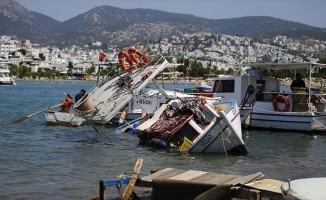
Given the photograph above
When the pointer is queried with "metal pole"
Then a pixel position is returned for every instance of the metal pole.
(102, 189)
(98, 74)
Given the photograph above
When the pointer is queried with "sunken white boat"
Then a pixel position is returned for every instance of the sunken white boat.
(195, 125)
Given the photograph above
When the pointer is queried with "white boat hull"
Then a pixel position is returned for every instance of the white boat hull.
(300, 121)
(63, 118)
(305, 189)
(225, 135)
(73, 119)
(215, 129)
(107, 99)
(5, 79)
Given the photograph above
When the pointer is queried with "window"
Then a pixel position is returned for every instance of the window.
(186, 131)
(223, 86)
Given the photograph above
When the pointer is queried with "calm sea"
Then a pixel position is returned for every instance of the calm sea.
(54, 162)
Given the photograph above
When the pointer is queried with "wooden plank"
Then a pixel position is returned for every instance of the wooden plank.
(250, 189)
(269, 188)
(267, 185)
(245, 179)
(133, 180)
(213, 178)
(197, 176)
(254, 195)
(188, 175)
(244, 193)
(249, 194)
(163, 174)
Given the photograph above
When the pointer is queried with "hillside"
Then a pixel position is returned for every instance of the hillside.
(116, 26)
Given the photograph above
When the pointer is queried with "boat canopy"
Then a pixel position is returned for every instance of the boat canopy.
(282, 66)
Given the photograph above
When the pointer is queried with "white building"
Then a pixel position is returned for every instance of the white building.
(7, 47)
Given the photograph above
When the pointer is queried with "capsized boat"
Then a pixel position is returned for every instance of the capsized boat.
(148, 102)
(110, 96)
(270, 105)
(195, 125)
(143, 104)
(107, 101)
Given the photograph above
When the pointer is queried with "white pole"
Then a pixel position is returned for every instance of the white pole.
(249, 60)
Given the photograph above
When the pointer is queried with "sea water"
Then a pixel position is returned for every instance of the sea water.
(55, 162)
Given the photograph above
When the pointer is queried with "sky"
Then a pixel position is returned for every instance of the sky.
(309, 12)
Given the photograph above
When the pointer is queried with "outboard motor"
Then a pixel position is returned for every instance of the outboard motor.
(249, 95)
(259, 92)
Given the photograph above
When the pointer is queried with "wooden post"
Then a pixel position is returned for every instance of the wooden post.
(254, 195)
(102, 189)
(133, 179)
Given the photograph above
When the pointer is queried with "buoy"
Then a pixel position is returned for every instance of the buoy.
(158, 142)
(122, 117)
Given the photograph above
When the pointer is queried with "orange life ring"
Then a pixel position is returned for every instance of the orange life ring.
(286, 101)
(122, 61)
(131, 53)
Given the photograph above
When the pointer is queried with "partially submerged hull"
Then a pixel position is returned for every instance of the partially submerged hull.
(224, 136)
(209, 127)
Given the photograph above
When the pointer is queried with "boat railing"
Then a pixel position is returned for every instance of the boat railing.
(195, 91)
(300, 101)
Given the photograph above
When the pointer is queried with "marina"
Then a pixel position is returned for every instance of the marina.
(198, 108)
(51, 162)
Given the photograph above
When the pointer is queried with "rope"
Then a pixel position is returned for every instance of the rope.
(88, 119)
(226, 153)
(56, 172)
(274, 111)
(319, 123)
(229, 139)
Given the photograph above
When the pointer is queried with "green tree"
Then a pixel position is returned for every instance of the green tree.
(322, 72)
(70, 67)
(40, 72)
(91, 69)
(13, 69)
(42, 57)
(23, 71)
(23, 51)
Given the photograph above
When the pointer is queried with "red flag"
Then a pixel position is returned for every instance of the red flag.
(102, 56)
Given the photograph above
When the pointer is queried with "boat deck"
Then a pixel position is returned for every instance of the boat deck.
(175, 184)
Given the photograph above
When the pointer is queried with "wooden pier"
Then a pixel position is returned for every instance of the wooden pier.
(176, 184)
(173, 183)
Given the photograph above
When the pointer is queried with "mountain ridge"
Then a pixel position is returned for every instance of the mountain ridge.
(116, 26)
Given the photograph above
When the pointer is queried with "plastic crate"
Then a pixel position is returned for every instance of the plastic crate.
(186, 144)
